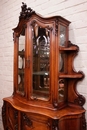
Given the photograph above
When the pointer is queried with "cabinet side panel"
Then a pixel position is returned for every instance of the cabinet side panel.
(70, 124)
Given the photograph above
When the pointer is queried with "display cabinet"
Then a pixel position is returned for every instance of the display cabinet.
(44, 93)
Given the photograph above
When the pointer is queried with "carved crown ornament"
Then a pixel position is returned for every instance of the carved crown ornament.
(25, 12)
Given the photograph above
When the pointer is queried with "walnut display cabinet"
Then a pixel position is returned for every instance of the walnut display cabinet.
(44, 94)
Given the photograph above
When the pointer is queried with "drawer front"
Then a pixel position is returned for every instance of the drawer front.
(35, 122)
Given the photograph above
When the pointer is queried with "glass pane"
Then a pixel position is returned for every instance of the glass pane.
(62, 90)
(41, 53)
(62, 62)
(62, 35)
(21, 63)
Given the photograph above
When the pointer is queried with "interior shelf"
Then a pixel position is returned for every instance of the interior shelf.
(41, 73)
(21, 53)
(71, 48)
(77, 75)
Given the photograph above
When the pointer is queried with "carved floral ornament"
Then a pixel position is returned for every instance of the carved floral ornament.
(25, 12)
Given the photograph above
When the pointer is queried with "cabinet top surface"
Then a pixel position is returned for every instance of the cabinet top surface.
(55, 114)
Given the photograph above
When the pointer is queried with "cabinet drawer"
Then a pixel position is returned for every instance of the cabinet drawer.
(34, 121)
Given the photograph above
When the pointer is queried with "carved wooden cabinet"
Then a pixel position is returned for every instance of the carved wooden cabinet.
(45, 95)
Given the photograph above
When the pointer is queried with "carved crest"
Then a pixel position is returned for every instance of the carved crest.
(25, 12)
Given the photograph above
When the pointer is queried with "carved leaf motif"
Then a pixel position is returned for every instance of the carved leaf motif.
(27, 121)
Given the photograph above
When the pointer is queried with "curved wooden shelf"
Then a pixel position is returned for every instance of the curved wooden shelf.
(71, 47)
(73, 76)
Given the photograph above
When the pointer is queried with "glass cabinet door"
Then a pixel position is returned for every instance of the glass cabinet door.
(41, 62)
(21, 63)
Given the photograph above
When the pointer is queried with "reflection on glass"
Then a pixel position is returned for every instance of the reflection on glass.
(62, 62)
(62, 35)
(21, 63)
(61, 90)
(41, 52)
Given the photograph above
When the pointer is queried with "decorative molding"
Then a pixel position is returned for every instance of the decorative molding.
(56, 27)
(55, 124)
(16, 127)
(25, 12)
(16, 117)
(49, 28)
(15, 114)
(14, 37)
(4, 116)
(27, 121)
(3, 110)
(80, 100)
(83, 122)
(33, 23)
(49, 124)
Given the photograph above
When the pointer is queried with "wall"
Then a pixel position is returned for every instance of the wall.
(74, 11)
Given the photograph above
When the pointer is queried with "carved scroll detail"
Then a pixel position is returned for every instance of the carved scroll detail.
(80, 100)
(25, 12)
(55, 124)
(27, 121)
